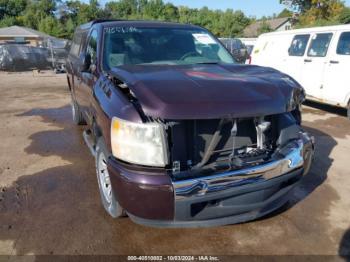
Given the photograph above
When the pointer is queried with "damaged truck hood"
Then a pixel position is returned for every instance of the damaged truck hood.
(207, 91)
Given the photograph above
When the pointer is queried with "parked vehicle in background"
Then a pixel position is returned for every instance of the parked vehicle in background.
(19, 57)
(58, 49)
(249, 43)
(236, 48)
(182, 135)
(318, 58)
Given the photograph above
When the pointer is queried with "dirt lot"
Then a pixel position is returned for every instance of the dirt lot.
(49, 200)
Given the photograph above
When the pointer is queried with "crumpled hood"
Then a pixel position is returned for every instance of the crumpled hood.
(208, 91)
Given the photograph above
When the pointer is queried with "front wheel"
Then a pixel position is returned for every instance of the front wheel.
(109, 201)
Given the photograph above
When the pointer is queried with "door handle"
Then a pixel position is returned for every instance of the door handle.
(334, 62)
(307, 60)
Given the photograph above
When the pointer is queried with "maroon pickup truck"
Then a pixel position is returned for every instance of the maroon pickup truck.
(184, 136)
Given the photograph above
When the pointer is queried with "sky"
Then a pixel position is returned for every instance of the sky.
(257, 8)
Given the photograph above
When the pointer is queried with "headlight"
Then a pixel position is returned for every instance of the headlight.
(142, 144)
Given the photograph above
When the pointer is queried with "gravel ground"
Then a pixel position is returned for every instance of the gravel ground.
(50, 204)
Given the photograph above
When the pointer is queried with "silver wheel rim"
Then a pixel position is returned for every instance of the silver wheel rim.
(103, 176)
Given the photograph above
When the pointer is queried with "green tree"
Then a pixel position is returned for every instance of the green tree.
(51, 26)
(11, 8)
(298, 5)
(60, 17)
(285, 13)
(317, 12)
(344, 16)
(153, 9)
(8, 21)
(170, 13)
(37, 10)
(122, 9)
(70, 27)
(232, 24)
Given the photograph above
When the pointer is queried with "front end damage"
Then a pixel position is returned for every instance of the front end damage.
(221, 171)
(235, 147)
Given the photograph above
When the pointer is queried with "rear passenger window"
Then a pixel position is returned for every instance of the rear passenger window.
(298, 45)
(344, 44)
(319, 45)
(92, 47)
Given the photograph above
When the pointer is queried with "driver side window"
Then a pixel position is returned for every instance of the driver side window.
(91, 48)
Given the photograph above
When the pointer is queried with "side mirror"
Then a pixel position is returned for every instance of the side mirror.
(85, 60)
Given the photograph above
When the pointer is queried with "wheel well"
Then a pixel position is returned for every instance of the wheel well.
(96, 130)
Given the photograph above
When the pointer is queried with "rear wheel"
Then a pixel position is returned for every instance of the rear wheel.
(77, 115)
(108, 199)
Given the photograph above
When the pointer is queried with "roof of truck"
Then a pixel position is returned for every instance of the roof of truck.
(109, 22)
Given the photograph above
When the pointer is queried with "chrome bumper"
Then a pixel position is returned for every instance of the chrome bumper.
(295, 155)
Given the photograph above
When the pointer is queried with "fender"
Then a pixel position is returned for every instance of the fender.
(108, 102)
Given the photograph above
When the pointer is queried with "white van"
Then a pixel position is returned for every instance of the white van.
(318, 58)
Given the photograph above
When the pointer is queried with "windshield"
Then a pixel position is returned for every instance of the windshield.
(169, 46)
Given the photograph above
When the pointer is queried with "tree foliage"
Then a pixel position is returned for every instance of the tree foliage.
(11, 8)
(285, 13)
(298, 5)
(319, 12)
(60, 17)
(344, 16)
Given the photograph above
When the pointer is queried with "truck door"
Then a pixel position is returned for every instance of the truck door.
(73, 64)
(315, 63)
(294, 61)
(87, 80)
(336, 87)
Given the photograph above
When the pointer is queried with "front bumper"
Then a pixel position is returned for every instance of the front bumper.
(151, 198)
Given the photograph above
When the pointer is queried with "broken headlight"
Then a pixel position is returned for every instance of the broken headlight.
(139, 143)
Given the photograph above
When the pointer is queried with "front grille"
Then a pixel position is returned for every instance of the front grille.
(190, 141)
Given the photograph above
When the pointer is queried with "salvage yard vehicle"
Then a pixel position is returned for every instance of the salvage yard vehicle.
(19, 57)
(236, 47)
(183, 136)
(318, 58)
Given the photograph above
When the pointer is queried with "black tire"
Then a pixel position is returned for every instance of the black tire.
(108, 198)
(349, 110)
(77, 115)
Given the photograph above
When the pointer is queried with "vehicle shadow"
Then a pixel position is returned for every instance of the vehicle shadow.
(344, 247)
(324, 144)
(326, 108)
(58, 211)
